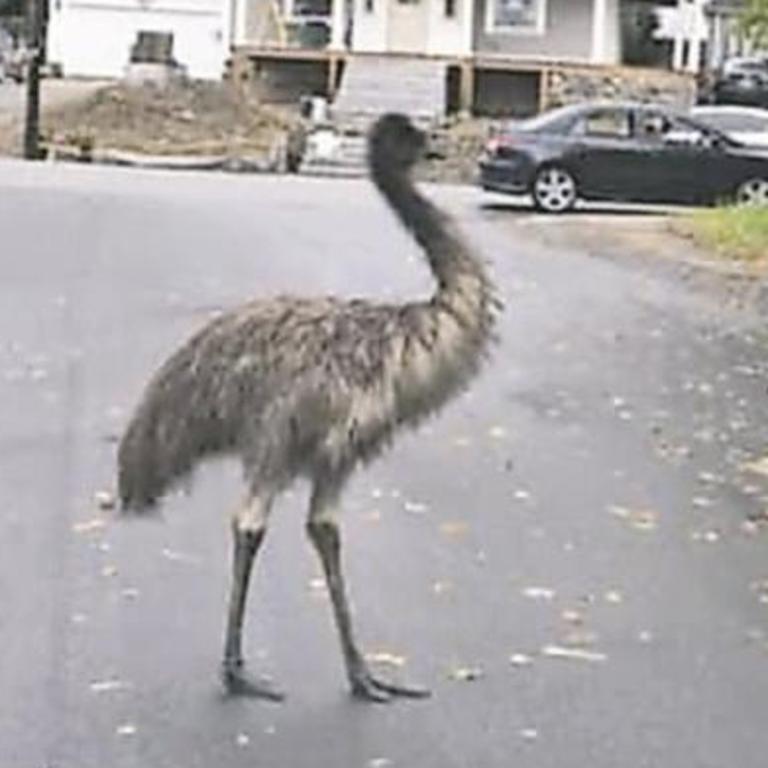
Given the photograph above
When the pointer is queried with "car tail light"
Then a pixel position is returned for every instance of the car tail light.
(498, 143)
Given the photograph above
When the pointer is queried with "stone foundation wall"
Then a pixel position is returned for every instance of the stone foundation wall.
(569, 84)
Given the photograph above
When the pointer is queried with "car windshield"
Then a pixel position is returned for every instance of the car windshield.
(745, 65)
(734, 121)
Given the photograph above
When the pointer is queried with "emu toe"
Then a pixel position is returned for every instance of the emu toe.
(366, 687)
(237, 682)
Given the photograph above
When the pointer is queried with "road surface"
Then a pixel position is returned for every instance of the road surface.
(562, 555)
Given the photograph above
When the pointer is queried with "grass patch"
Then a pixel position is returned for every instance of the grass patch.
(739, 233)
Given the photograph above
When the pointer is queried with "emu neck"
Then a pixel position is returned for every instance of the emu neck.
(455, 268)
(445, 339)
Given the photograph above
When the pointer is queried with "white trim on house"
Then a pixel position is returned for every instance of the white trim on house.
(338, 24)
(237, 11)
(467, 25)
(599, 17)
(686, 25)
(370, 29)
(537, 29)
(450, 35)
(178, 7)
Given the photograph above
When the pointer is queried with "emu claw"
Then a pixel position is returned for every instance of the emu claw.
(238, 683)
(366, 687)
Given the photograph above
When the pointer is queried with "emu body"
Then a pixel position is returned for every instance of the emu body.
(313, 387)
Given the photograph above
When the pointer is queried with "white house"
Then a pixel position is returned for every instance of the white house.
(726, 38)
(481, 55)
(485, 56)
(94, 37)
(583, 30)
(687, 26)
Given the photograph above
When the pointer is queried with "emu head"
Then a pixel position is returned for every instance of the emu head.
(395, 144)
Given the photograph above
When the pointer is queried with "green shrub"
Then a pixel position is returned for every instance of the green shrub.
(736, 232)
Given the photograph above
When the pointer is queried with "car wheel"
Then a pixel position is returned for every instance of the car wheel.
(753, 192)
(554, 189)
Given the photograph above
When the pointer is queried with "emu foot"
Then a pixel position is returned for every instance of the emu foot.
(367, 687)
(237, 682)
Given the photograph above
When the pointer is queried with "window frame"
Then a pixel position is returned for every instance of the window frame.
(537, 29)
(579, 128)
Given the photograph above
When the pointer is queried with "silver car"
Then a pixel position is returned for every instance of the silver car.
(747, 125)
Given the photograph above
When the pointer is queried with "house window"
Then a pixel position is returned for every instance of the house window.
(516, 16)
(450, 9)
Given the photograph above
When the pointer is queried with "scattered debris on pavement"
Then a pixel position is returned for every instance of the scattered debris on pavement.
(711, 536)
(465, 674)
(109, 686)
(89, 526)
(126, 729)
(179, 557)
(757, 466)
(386, 658)
(539, 593)
(105, 500)
(454, 529)
(639, 519)
(574, 654)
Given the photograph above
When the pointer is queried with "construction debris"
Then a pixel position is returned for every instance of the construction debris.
(189, 118)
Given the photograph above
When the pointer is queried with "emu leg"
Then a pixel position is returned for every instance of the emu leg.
(247, 541)
(324, 533)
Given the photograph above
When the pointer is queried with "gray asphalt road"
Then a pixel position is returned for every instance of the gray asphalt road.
(587, 494)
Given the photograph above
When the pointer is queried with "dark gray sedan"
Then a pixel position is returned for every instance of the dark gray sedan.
(624, 152)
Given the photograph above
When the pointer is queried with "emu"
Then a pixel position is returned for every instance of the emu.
(313, 388)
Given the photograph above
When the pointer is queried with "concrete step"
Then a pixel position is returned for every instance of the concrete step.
(361, 122)
(335, 154)
(338, 162)
(373, 85)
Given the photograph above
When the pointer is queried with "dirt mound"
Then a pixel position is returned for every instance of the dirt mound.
(182, 118)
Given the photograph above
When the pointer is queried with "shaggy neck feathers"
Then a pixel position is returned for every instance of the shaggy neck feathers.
(463, 287)
(448, 337)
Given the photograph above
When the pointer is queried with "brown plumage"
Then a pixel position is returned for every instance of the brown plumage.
(313, 387)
